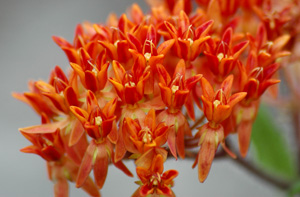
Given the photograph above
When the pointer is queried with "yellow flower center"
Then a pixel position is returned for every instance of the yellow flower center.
(98, 120)
(220, 56)
(191, 41)
(174, 88)
(216, 103)
(147, 56)
(155, 179)
(95, 71)
(147, 137)
(130, 83)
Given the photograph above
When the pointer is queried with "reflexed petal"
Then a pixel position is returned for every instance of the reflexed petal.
(101, 167)
(172, 141)
(90, 187)
(86, 164)
(244, 136)
(45, 128)
(180, 142)
(120, 165)
(206, 156)
(119, 149)
(61, 188)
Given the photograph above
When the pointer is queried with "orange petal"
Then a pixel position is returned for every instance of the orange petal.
(86, 164)
(207, 108)
(101, 167)
(81, 114)
(180, 68)
(120, 165)
(234, 99)
(165, 46)
(45, 128)
(150, 120)
(61, 188)
(244, 136)
(76, 132)
(163, 76)
(226, 86)
(207, 89)
(166, 94)
(172, 141)
(206, 156)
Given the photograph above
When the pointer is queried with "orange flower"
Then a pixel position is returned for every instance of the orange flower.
(98, 124)
(264, 50)
(154, 181)
(50, 146)
(222, 56)
(141, 136)
(217, 106)
(188, 41)
(86, 37)
(129, 86)
(174, 94)
(92, 73)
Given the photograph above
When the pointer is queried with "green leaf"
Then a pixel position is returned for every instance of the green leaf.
(294, 190)
(271, 148)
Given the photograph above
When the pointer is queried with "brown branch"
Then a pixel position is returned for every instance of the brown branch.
(284, 185)
(250, 167)
(199, 121)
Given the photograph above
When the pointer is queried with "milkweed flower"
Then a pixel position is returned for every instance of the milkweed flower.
(217, 107)
(134, 82)
(154, 181)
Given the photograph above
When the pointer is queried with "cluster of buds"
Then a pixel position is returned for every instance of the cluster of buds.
(137, 83)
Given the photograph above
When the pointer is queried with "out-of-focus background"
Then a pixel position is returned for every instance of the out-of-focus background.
(27, 52)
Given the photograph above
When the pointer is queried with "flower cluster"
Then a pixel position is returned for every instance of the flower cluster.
(138, 83)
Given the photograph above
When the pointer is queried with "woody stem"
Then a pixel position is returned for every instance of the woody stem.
(249, 167)
(199, 121)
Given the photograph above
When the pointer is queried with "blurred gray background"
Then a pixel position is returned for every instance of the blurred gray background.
(28, 52)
